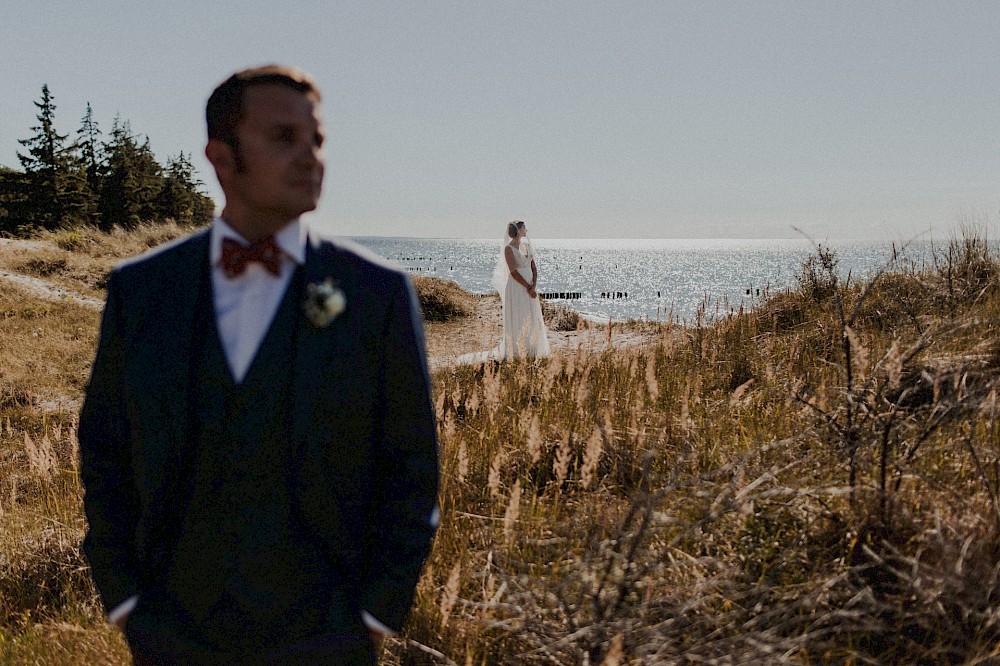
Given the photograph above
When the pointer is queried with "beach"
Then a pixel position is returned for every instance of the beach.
(481, 330)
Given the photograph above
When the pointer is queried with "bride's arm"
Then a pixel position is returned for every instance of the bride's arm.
(534, 274)
(508, 254)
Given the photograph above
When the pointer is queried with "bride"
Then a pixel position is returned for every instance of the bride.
(515, 277)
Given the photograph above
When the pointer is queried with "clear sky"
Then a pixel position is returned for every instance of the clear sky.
(594, 119)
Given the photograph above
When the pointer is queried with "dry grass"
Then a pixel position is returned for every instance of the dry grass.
(815, 482)
(45, 349)
(79, 259)
(117, 243)
(49, 613)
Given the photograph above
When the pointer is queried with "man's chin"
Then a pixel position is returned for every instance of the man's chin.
(304, 207)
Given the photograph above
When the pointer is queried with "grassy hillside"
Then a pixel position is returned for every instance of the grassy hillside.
(815, 482)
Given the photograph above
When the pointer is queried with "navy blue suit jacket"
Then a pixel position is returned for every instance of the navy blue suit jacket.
(364, 431)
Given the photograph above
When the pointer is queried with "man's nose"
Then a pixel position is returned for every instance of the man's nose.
(310, 154)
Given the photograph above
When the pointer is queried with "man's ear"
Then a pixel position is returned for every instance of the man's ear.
(221, 156)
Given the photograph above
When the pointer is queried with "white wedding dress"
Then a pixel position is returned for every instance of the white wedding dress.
(524, 333)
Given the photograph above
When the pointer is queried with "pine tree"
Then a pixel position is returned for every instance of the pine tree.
(89, 147)
(56, 192)
(132, 180)
(112, 183)
(181, 198)
(13, 189)
(42, 166)
(45, 147)
(204, 206)
(78, 201)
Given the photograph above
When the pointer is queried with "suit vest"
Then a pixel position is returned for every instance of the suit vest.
(243, 575)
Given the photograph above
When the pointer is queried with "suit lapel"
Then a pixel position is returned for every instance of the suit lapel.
(167, 373)
(322, 355)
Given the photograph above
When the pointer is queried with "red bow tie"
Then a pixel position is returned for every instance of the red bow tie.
(236, 256)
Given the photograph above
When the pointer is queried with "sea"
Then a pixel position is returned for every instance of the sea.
(647, 279)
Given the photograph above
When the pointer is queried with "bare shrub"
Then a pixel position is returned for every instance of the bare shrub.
(817, 277)
(559, 317)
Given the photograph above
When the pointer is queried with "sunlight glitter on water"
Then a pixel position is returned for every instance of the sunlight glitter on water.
(638, 278)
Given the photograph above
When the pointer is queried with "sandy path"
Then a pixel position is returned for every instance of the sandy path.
(48, 291)
(18, 248)
(13, 245)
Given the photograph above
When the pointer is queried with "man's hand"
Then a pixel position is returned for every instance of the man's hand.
(377, 638)
(122, 621)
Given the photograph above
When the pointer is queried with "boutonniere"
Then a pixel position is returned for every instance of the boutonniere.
(324, 302)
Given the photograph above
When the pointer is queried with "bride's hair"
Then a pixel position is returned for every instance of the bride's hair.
(513, 227)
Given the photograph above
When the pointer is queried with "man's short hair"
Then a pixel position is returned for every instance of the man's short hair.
(225, 109)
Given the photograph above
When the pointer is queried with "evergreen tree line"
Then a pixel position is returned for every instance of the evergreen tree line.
(90, 180)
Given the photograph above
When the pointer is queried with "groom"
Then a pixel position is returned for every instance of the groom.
(257, 441)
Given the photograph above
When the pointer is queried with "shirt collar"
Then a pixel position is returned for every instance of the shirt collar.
(291, 238)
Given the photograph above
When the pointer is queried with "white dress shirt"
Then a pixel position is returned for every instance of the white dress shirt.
(245, 306)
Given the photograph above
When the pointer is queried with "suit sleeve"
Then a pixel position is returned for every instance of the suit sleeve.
(407, 463)
(110, 500)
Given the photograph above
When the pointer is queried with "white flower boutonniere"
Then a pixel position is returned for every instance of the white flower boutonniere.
(324, 302)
